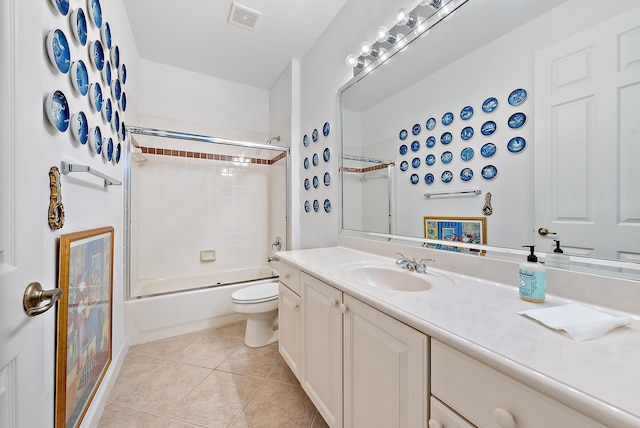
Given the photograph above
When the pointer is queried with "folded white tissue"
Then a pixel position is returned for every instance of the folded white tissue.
(580, 322)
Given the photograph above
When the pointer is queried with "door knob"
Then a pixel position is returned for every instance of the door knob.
(543, 231)
(34, 295)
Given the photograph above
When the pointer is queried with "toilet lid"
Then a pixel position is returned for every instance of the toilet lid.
(258, 293)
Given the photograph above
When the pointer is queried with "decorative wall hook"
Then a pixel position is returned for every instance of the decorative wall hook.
(487, 210)
(56, 209)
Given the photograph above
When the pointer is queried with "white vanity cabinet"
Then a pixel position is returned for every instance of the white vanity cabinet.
(289, 318)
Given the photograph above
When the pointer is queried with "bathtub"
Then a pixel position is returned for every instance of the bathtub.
(183, 305)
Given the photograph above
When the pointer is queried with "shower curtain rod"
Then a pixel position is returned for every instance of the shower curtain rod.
(203, 138)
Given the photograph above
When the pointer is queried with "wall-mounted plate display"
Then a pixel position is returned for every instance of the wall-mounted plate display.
(431, 141)
(326, 128)
(106, 73)
(415, 162)
(307, 184)
(315, 159)
(466, 174)
(446, 138)
(105, 33)
(403, 134)
(95, 12)
(489, 172)
(403, 149)
(305, 140)
(107, 148)
(117, 153)
(307, 206)
(115, 56)
(517, 120)
(414, 178)
(123, 102)
(488, 150)
(447, 119)
(404, 165)
(116, 89)
(327, 206)
(466, 133)
(516, 144)
(467, 154)
(490, 105)
(80, 127)
(316, 205)
(62, 6)
(314, 135)
(305, 163)
(326, 154)
(95, 96)
(517, 97)
(446, 177)
(430, 124)
(430, 160)
(57, 109)
(58, 50)
(429, 178)
(107, 110)
(446, 157)
(416, 129)
(316, 182)
(415, 146)
(327, 179)
(488, 128)
(78, 22)
(80, 77)
(115, 122)
(466, 113)
(122, 73)
(95, 139)
(96, 54)
(123, 131)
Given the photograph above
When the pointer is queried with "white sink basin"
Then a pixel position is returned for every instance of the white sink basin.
(391, 277)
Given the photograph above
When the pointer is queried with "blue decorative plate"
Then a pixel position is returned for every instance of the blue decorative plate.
(80, 77)
(446, 138)
(62, 5)
(95, 11)
(116, 90)
(489, 105)
(316, 205)
(488, 128)
(95, 96)
(403, 134)
(517, 120)
(307, 184)
(431, 123)
(80, 127)
(517, 97)
(115, 123)
(446, 177)
(107, 110)
(58, 50)
(327, 205)
(107, 149)
(466, 174)
(488, 150)
(489, 172)
(105, 33)
(467, 154)
(314, 159)
(327, 179)
(447, 119)
(305, 140)
(516, 144)
(96, 54)
(307, 206)
(446, 157)
(416, 129)
(415, 146)
(414, 178)
(429, 178)
(466, 113)
(106, 73)
(115, 56)
(95, 139)
(326, 155)
(123, 102)
(430, 160)
(466, 133)
(403, 149)
(315, 182)
(79, 25)
(122, 73)
(326, 128)
(314, 135)
(404, 165)
(123, 131)
(431, 141)
(118, 152)
(305, 163)
(57, 109)
(415, 162)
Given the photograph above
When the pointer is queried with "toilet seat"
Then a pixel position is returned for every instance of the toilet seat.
(259, 293)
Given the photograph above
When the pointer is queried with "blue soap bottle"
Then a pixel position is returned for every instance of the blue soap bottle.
(533, 278)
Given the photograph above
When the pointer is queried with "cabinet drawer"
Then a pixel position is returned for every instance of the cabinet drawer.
(488, 398)
(444, 417)
(290, 277)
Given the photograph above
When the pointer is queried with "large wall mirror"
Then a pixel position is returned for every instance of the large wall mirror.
(521, 116)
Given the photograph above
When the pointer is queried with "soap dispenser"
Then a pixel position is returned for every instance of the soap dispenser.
(557, 259)
(533, 278)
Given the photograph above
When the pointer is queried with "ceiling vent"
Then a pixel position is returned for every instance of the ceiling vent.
(243, 16)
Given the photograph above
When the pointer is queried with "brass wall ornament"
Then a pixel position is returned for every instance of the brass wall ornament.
(56, 209)
(487, 209)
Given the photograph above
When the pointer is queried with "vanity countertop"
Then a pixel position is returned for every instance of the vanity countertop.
(599, 377)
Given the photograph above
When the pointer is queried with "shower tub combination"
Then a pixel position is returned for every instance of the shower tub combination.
(163, 301)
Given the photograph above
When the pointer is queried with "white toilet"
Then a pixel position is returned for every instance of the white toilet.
(260, 304)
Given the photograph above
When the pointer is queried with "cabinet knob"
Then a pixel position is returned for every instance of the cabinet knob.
(504, 418)
(333, 302)
(433, 423)
(287, 276)
(296, 306)
(343, 308)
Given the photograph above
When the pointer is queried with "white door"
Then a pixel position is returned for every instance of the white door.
(587, 139)
(24, 401)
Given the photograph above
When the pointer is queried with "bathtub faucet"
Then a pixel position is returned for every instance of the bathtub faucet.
(273, 259)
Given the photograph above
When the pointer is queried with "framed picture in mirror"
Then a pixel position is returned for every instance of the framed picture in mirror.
(466, 230)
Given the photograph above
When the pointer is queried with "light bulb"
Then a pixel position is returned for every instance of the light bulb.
(365, 48)
(352, 60)
(402, 17)
(382, 34)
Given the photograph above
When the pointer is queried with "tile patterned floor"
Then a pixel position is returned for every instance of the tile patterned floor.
(207, 378)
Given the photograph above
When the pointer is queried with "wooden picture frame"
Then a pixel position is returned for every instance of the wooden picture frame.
(470, 230)
(85, 313)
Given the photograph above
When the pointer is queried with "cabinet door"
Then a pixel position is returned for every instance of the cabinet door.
(289, 326)
(322, 347)
(385, 370)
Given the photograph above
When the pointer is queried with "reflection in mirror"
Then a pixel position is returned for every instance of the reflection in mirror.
(534, 103)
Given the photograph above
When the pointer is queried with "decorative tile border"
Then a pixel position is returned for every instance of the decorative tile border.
(368, 169)
(210, 156)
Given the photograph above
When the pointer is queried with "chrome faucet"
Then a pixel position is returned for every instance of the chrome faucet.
(412, 265)
(273, 259)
